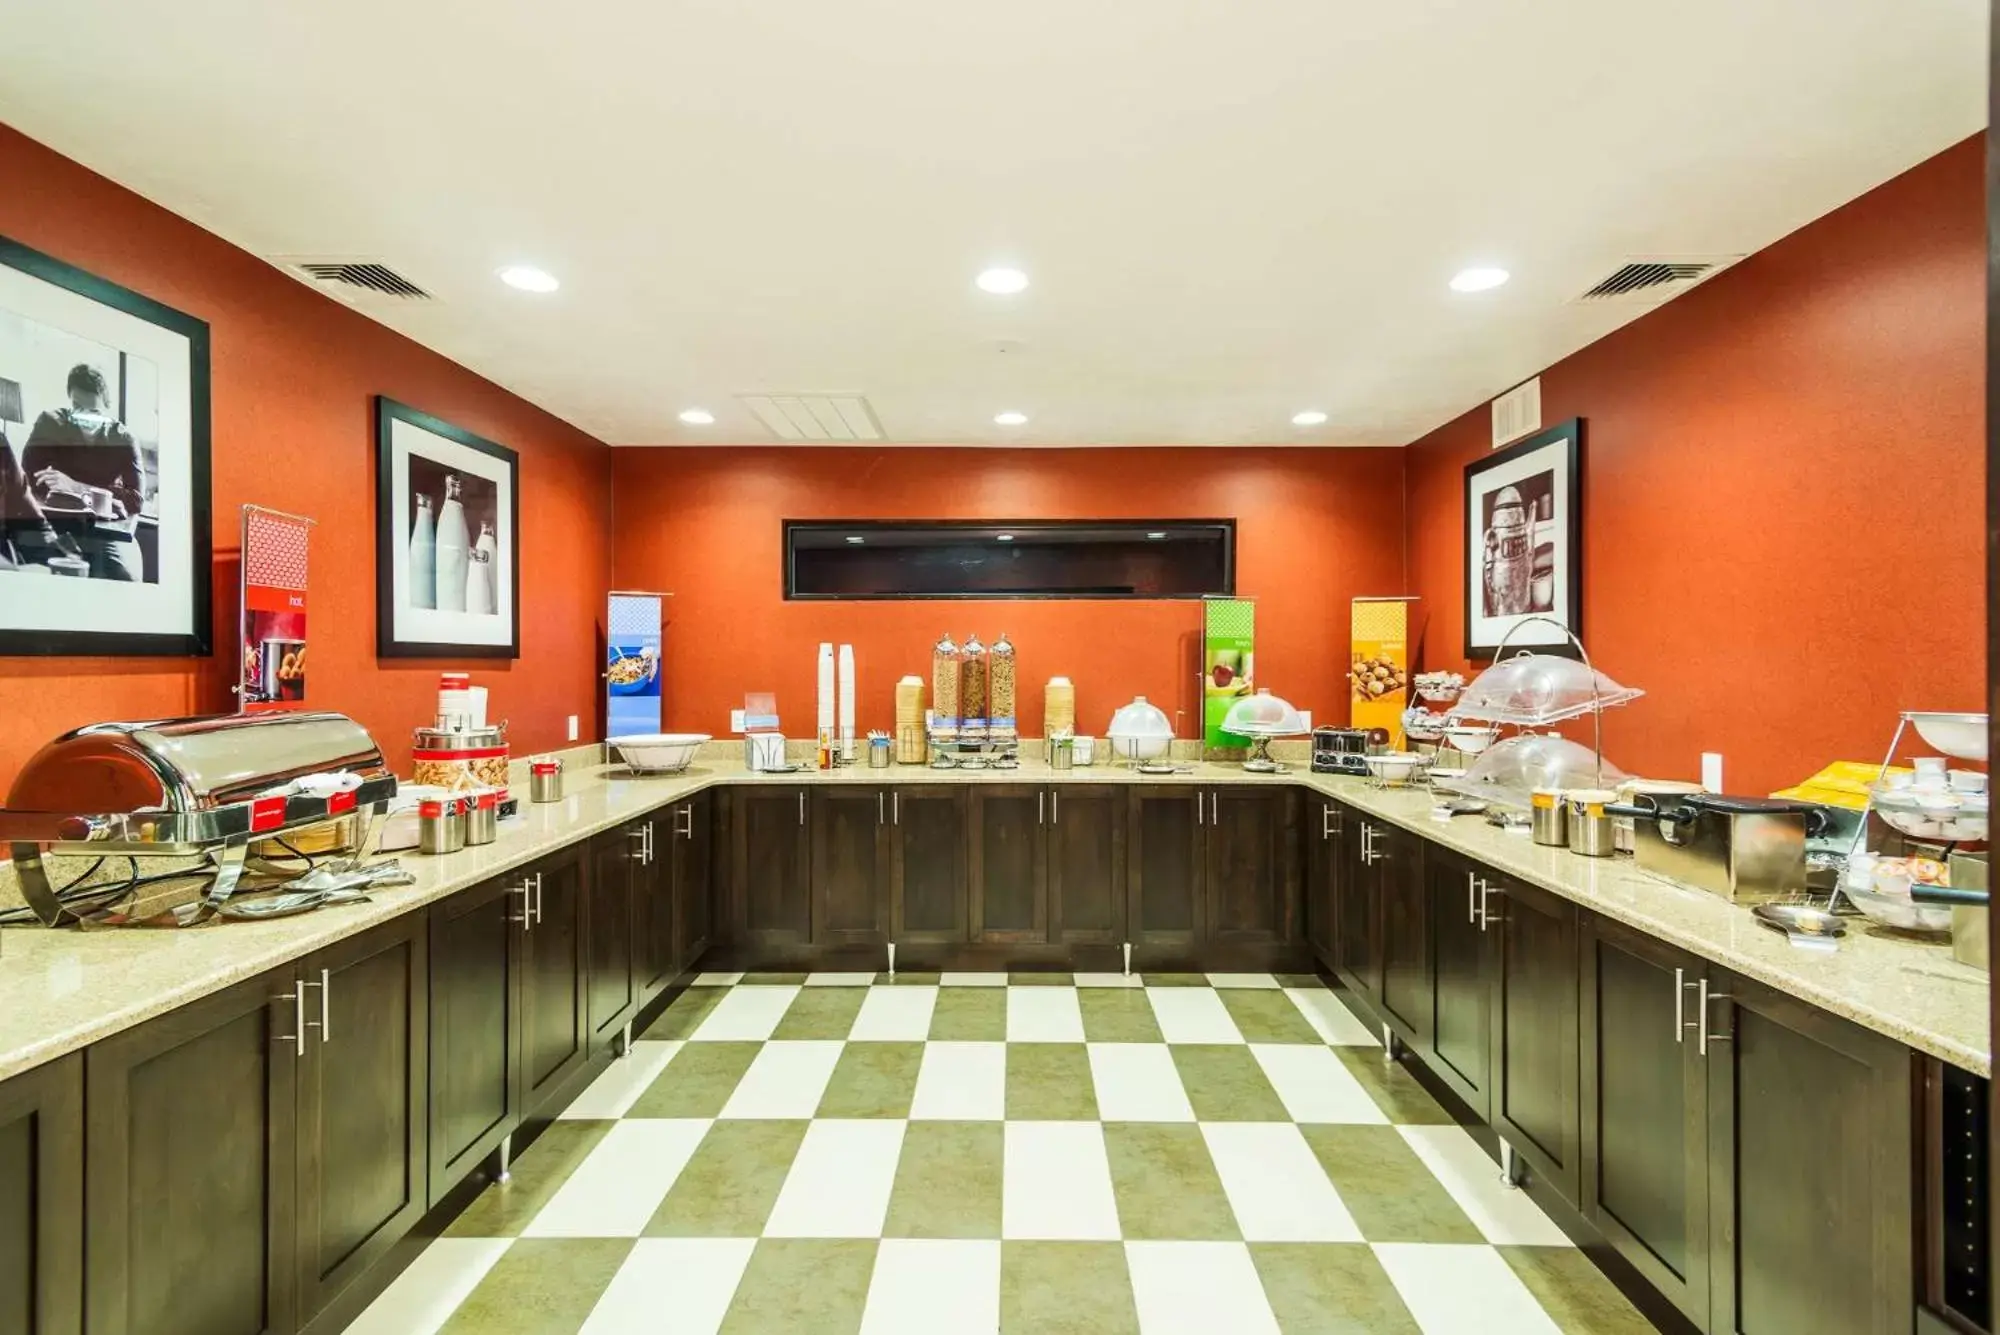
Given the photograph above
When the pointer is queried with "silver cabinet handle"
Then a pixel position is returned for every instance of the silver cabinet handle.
(1041, 808)
(1368, 853)
(1703, 1033)
(297, 996)
(802, 806)
(1486, 891)
(1326, 820)
(640, 835)
(526, 917)
(1198, 818)
(325, 1021)
(537, 878)
(1680, 1005)
(881, 808)
(688, 832)
(1471, 897)
(1055, 806)
(895, 808)
(1213, 818)
(648, 827)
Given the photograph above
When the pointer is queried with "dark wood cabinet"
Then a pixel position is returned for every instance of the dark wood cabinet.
(619, 875)
(191, 1147)
(362, 1105)
(691, 865)
(1008, 844)
(1325, 865)
(1403, 947)
(1164, 865)
(1461, 980)
(1251, 865)
(1356, 910)
(851, 852)
(476, 939)
(1534, 1047)
(927, 889)
(770, 868)
(555, 976)
(41, 1199)
(1086, 865)
(655, 913)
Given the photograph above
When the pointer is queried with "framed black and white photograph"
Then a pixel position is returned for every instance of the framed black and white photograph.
(1524, 543)
(447, 539)
(104, 466)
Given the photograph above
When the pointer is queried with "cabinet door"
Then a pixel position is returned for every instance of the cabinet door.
(617, 870)
(555, 1017)
(927, 881)
(361, 1104)
(1164, 864)
(1461, 983)
(1404, 938)
(1534, 1049)
(693, 883)
(1325, 865)
(655, 916)
(1356, 901)
(1809, 1168)
(1252, 873)
(191, 1213)
(41, 1199)
(1086, 864)
(1008, 854)
(770, 868)
(1644, 1157)
(850, 866)
(476, 939)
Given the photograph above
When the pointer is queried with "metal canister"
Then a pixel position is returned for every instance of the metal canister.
(545, 780)
(1591, 832)
(1547, 817)
(1062, 752)
(482, 818)
(440, 826)
(879, 754)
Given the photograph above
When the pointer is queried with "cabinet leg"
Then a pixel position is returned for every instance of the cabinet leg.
(1510, 1167)
(892, 959)
(1128, 959)
(625, 1041)
(1392, 1047)
(503, 1156)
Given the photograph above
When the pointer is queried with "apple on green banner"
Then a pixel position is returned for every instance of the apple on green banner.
(1228, 664)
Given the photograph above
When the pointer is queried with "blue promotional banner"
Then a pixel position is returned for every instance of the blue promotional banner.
(634, 629)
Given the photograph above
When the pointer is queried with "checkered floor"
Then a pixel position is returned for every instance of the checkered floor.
(978, 1152)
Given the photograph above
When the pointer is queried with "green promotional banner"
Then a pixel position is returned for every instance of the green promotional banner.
(1229, 662)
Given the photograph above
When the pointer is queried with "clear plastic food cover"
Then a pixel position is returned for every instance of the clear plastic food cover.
(1141, 719)
(1533, 690)
(1263, 715)
(1509, 772)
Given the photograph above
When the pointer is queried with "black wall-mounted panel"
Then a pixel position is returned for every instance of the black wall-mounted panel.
(865, 559)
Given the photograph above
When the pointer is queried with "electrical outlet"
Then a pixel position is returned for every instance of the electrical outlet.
(1711, 771)
(572, 727)
(736, 720)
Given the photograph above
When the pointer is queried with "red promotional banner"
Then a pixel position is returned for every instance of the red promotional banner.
(274, 609)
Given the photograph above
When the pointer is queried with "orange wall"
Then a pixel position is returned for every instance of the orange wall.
(1314, 529)
(1783, 490)
(292, 381)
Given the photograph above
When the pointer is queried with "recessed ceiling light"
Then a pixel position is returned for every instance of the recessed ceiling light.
(855, 537)
(1011, 419)
(1002, 282)
(1477, 280)
(528, 278)
(697, 417)
(1156, 536)
(1003, 537)
(1310, 417)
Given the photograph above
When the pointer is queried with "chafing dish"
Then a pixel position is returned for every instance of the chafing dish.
(186, 788)
(1742, 848)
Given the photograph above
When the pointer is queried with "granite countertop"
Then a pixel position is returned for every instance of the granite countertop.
(61, 990)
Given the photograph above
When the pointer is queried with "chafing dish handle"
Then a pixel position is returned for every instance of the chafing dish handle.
(1945, 894)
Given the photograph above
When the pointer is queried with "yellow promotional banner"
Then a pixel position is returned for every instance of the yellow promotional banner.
(1379, 665)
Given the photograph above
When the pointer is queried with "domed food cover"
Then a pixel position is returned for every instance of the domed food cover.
(1535, 690)
(1263, 715)
(1142, 720)
(1508, 773)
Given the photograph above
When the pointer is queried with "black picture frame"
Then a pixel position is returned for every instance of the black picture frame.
(198, 641)
(1561, 448)
(388, 644)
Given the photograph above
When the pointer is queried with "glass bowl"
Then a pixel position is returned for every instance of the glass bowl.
(1263, 715)
(1933, 813)
(1901, 914)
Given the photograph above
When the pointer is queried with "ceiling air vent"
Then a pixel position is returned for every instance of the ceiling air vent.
(1649, 282)
(356, 280)
(815, 416)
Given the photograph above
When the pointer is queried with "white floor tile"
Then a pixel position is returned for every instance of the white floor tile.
(1313, 1084)
(672, 1286)
(895, 1014)
(1198, 1288)
(615, 1190)
(1192, 1015)
(1504, 1214)
(961, 1082)
(717, 979)
(1263, 980)
(840, 980)
(1333, 1021)
(1043, 1015)
(1109, 980)
(1275, 1184)
(612, 1094)
(930, 1286)
(1137, 1082)
(1056, 1183)
(982, 978)
(840, 1180)
(746, 1014)
(785, 1080)
(1451, 1288)
(423, 1297)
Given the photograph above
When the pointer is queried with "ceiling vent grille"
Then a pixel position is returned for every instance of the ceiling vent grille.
(815, 416)
(1649, 282)
(356, 280)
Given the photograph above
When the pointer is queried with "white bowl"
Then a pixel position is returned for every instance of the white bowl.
(1470, 740)
(1960, 735)
(1397, 767)
(659, 752)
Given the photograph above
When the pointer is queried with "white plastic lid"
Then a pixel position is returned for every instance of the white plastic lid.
(1140, 719)
(1263, 715)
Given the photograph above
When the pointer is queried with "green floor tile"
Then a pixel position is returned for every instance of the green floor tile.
(1175, 980)
(697, 1082)
(919, 979)
(1299, 980)
(1403, 1100)
(948, 1181)
(504, 1208)
(1225, 1084)
(685, 1013)
(771, 980)
(1066, 1288)
(970, 1015)
(1118, 1015)
(1330, 1288)
(1166, 1184)
(1266, 1016)
(1387, 1189)
(1574, 1292)
(872, 1080)
(1041, 978)
(1050, 1082)
(802, 1286)
(541, 1286)
(821, 1012)
(729, 1186)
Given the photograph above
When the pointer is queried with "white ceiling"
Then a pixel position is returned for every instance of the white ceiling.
(1229, 211)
